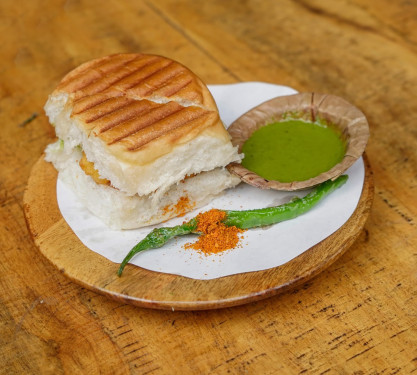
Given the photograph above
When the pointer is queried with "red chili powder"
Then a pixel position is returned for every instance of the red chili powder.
(216, 236)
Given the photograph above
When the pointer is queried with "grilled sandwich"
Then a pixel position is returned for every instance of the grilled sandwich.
(136, 135)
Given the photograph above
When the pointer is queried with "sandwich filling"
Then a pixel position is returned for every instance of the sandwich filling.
(90, 170)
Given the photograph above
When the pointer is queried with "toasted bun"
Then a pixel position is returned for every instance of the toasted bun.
(121, 211)
(145, 121)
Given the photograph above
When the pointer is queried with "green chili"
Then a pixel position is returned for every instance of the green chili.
(158, 238)
(273, 215)
(241, 219)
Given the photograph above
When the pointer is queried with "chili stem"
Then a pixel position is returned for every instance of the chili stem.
(241, 219)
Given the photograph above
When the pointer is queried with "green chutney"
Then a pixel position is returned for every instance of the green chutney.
(293, 150)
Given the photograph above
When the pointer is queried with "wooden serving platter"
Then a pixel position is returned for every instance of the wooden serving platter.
(141, 287)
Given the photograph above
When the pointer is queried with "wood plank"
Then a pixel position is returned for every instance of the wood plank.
(356, 316)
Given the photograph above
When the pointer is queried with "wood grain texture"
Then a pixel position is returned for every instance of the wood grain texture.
(358, 316)
(138, 286)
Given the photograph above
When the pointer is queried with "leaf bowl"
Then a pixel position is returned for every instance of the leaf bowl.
(348, 120)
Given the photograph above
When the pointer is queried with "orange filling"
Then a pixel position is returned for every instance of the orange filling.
(90, 170)
(188, 176)
(180, 208)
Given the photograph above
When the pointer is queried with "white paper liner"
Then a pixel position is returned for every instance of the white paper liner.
(260, 249)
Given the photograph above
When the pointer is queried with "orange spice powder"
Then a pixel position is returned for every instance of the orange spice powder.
(180, 208)
(216, 236)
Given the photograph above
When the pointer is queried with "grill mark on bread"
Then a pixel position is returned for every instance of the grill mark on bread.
(178, 88)
(131, 72)
(110, 73)
(104, 82)
(156, 80)
(132, 100)
(112, 76)
(179, 119)
(94, 64)
(97, 78)
(123, 115)
(134, 76)
(76, 74)
(89, 73)
(171, 86)
(153, 135)
(162, 84)
(109, 66)
(149, 120)
(85, 79)
(123, 112)
(142, 74)
(189, 95)
(88, 102)
(99, 109)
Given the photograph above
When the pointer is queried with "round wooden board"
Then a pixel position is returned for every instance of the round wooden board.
(138, 286)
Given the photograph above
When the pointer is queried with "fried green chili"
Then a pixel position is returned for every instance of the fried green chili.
(241, 219)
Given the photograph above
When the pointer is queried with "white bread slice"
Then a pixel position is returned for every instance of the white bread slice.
(118, 210)
(145, 122)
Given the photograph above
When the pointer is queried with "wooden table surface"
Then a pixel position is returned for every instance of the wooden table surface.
(357, 317)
